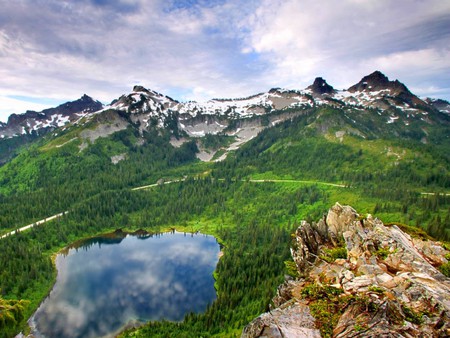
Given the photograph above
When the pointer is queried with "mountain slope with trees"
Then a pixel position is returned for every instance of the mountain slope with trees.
(383, 149)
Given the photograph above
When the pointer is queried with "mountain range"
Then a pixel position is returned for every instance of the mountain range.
(372, 91)
(242, 118)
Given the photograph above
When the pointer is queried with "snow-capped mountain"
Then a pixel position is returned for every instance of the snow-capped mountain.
(376, 91)
(142, 101)
(441, 105)
(48, 119)
(147, 108)
(373, 91)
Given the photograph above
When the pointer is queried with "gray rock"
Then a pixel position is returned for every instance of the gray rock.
(308, 241)
(340, 219)
(293, 320)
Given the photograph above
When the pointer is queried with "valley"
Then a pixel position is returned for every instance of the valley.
(275, 159)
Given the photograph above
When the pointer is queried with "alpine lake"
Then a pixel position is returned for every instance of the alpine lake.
(107, 283)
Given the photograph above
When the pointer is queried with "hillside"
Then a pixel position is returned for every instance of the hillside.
(245, 170)
(25, 128)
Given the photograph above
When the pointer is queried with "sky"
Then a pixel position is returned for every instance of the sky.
(56, 51)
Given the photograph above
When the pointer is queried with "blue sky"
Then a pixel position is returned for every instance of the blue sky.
(56, 51)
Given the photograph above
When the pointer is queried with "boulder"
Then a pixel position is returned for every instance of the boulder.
(292, 320)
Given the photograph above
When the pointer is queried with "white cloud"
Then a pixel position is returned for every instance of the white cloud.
(418, 60)
(346, 40)
(97, 51)
(10, 106)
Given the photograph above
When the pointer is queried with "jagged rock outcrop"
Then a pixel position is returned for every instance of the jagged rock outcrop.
(360, 278)
(292, 319)
(49, 119)
(377, 82)
(321, 87)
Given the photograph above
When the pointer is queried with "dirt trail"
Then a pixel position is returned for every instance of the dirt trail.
(29, 226)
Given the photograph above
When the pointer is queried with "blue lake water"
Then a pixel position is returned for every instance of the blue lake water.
(105, 283)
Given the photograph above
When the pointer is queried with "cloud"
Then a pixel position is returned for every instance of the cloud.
(198, 49)
(65, 49)
(19, 106)
(346, 40)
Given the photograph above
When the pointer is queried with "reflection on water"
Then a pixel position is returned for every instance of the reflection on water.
(100, 288)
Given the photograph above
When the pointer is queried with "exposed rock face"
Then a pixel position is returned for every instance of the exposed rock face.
(388, 286)
(289, 320)
(441, 105)
(377, 81)
(49, 119)
(107, 124)
(83, 104)
(320, 87)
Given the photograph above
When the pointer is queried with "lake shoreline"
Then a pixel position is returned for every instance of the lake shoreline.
(136, 238)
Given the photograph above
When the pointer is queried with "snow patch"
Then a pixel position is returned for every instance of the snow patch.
(392, 119)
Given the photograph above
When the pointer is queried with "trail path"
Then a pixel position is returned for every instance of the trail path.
(299, 181)
(250, 180)
(157, 184)
(29, 226)
(435, 193)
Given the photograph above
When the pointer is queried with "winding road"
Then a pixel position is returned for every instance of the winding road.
(299, 181)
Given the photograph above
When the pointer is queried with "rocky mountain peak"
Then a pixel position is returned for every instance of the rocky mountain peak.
(49, 118)
(442, 105)
(86, 98)
(320, 87)
(379, 84)
(373, 279)
(376, 77)
(83, 104)
(378, 81)
(149, 93)
(143, 101)
(375, 81)
(139, 88)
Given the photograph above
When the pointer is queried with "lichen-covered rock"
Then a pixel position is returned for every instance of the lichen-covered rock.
(389, 282)
(340, 219)
(306, 246)
(284, 293)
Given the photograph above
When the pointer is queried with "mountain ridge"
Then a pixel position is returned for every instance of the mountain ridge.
(51, 118)
(374, 105)
(372, 91)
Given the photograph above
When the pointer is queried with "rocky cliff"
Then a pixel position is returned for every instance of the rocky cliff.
(357, 277)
